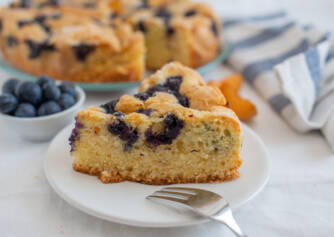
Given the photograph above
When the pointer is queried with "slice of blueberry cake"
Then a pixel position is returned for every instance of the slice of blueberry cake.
(175, 130)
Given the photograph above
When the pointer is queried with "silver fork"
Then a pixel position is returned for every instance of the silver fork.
(202, 202)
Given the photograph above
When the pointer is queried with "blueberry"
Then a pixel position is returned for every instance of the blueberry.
(170, 30)
(173, 83)
(75, 134)
(24, 23)
(66, 101)
(142, 96)
(12, 41)
(143, 4)
(37, 48)
(49, 3)
(113, 15)
(68, 87)
(190, 13)
(54, 2)
(82, 50)
(40, 19)
(110, 107)
(9, 86)
(141, 26)
(214, 28)
(171, 86)
(125, 132)
(172, 128)
(89, 5)
(8, 103)
(29, 92)
(119, 114)
(25, 3)
(43, 80)
(47, 108)
(25, 110)
(163, 13)
(147, 112)
(55, 16)
(158, 88)
(182, 100)
(51, 92)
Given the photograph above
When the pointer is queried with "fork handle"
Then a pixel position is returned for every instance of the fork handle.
(227, 218)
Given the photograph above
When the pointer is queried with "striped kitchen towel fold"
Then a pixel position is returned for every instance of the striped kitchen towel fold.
(290, 65)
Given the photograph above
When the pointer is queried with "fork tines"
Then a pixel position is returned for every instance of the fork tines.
(176, 194)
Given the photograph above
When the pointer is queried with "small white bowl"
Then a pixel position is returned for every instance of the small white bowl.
(44, 128)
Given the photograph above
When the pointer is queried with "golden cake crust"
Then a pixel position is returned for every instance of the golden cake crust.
(107, 178)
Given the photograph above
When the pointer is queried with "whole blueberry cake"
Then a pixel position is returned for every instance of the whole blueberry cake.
(175, 130)
(70, 42)
(106, 40)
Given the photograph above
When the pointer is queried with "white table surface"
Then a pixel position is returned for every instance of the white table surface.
(298, 200)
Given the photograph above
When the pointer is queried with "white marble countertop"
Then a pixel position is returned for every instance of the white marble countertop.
(298, 200)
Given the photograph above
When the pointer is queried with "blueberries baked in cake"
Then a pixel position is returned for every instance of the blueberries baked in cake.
(154, 138)
(107, 40)
(40, 98)
(37, 48)
(172, 86)
(177, 31)
(81, 51)
(71, 40)
(172, 127)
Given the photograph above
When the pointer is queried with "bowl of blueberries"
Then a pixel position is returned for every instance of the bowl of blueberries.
(39, 110)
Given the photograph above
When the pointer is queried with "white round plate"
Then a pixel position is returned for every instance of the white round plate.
(125, 202)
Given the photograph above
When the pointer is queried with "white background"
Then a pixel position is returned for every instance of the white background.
(298, 201)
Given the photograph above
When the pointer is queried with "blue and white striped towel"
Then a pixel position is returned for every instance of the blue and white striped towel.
(290, 65)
